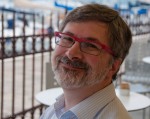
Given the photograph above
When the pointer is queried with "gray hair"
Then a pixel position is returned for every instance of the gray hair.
(118, 31)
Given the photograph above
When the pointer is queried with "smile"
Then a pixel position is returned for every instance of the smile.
(77, 64)
(70, 66)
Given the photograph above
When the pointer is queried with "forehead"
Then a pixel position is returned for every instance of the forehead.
(96, 30)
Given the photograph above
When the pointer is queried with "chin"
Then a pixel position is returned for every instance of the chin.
(67, 81)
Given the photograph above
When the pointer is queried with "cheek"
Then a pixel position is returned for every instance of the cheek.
(94, 62)
(58, 51)
(97, 63)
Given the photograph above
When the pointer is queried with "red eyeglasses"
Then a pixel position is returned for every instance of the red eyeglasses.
(86, 46)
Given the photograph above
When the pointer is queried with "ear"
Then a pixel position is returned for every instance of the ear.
(115, 66)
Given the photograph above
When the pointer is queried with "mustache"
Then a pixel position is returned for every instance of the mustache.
(76, 63)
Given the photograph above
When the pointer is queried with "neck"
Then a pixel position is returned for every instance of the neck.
(75, 96)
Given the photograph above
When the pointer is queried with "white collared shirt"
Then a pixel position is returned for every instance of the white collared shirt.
(104, 104)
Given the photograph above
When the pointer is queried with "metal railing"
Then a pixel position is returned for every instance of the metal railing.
(136, 71)
(25, 47)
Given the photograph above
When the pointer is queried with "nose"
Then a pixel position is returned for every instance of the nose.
(74, 52)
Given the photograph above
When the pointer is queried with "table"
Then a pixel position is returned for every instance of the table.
(146, 59)
(140, 88)
(132, 103)
(48, 97)
(135, 101)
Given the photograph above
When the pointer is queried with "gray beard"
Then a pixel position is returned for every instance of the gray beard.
(71, 79)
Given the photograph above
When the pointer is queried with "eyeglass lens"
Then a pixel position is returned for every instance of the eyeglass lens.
(67, 41)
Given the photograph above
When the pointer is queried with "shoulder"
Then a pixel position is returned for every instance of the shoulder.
(47, 113)
(114, 110)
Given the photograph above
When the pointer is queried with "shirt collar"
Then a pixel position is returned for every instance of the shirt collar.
(59, 105)
(95, 103)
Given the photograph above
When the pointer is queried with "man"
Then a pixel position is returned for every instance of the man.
(92, 42)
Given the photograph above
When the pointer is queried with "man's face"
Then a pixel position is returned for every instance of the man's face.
(74, 68)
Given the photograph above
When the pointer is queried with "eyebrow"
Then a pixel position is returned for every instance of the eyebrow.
(92, 39)
(86, 38)
(69, 33)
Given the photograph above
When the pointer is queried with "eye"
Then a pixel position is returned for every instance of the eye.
(66, 39)
(89, 46)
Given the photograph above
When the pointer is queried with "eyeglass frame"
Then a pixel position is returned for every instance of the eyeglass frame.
(103, 46)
